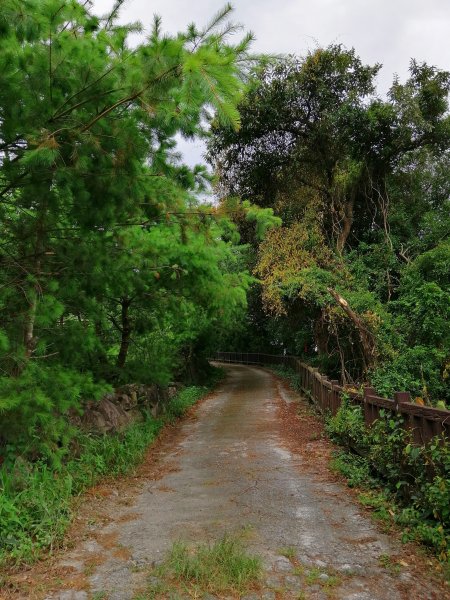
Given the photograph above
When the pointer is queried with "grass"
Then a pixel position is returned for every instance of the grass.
(288, 552)
(393, 475)
(220, 568)
(388, 563)
(36, 501)
(317, 576)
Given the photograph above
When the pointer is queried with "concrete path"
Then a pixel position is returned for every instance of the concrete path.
(232, 469)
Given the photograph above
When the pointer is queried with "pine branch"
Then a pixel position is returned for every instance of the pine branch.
(217, 19)
(114, 13)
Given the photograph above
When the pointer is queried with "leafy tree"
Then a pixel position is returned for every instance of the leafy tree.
(105, 250)
(361, 184)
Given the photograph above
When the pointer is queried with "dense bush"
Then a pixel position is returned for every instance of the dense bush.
(416, 479)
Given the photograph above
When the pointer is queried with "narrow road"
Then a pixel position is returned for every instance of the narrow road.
(232, 467)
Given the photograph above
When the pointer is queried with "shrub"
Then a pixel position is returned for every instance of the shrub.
(36, 497)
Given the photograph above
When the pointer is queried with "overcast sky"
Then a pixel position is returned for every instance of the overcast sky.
(387, 31)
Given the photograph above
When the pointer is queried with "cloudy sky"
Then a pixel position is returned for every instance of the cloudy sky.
(387, 31)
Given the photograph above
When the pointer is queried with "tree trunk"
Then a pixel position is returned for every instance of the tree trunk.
(32, 295)
(346, 227)
(126, 330)
(29, 340)
(367, 339)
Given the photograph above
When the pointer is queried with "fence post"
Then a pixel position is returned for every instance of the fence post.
(410, 421)
(369, 417)
(335, 399)
(400, 398)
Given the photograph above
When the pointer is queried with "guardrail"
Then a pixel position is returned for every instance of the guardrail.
(424, 421)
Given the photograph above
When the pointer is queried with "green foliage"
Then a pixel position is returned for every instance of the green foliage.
(219, 568)
(112, 269)
(412, 482)
(421, 313)
(348, 426)
(34, 410)
(354, 468)
(356, 280)
(36, 499)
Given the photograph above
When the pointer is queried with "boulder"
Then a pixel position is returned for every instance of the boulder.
(105, 416)
(126, 405)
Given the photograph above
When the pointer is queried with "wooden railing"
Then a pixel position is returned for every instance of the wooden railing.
(424, 421)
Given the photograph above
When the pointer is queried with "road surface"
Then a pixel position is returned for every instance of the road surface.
(234, 467)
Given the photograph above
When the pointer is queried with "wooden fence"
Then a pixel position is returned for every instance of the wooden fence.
(424, 421)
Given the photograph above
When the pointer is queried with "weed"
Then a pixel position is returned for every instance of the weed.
(388, 563)
(313, 576)
(318, 576)
(288, 552)
(223, 567)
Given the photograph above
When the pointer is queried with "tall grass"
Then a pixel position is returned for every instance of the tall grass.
(36, 501)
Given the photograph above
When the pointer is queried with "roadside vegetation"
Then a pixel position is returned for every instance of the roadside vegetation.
(356, 281)
(402, 483)
(328, 240)
(112, 270)
(37, 500)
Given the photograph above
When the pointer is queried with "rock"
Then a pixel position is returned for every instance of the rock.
(157, 562)
(105, 417)
(268, 596)
(172, 391)
(135, 415)
(115, 417)
(293, 582)
(324, 577)
(126, 405)
(320, 564)
(154, 582)
(91, 546)
(127, 396)
(346, 569)
(273, 582)
(282, 564)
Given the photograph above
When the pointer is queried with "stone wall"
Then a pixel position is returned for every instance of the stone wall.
(124, 406)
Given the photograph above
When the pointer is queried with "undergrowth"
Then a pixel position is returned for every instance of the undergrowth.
(36, 499)
(403, 483)
(288, 374)
(400, 482)
(220, 568)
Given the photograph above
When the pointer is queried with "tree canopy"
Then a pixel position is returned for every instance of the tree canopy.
(362, 186)
(112, 270)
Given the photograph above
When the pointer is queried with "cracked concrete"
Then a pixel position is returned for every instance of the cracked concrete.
(231, 471)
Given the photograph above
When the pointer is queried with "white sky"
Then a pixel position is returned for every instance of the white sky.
(387, 31)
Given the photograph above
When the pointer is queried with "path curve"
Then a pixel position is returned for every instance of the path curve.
(231, 470)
